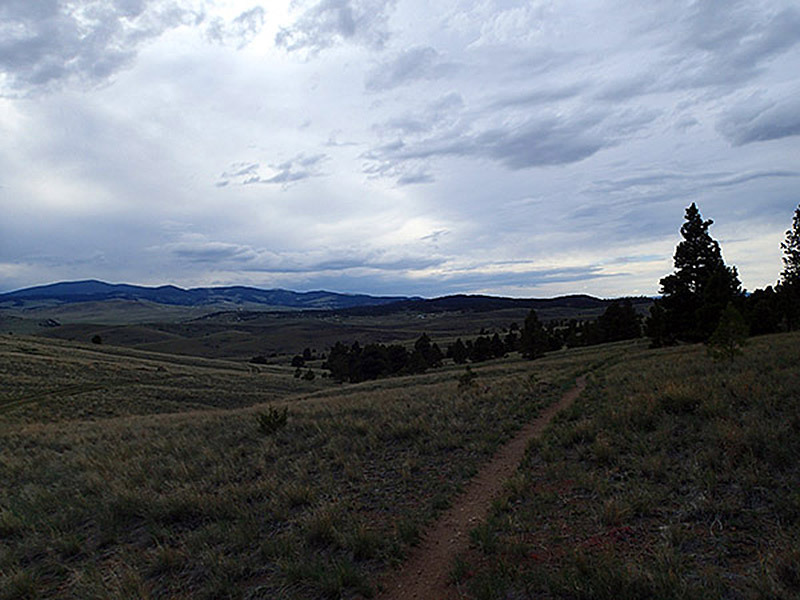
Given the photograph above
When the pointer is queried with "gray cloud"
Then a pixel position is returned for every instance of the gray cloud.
(198, 249)
(291, 171)
(518, 144)
(212, 252)
(725, 45)
(685, 122)
(323, 23)
(758, 120)
(558, 134)
(380, 282)
(412, 178)
(539, 142)
(439, 114)
(238, 31)
(49, 41)
(682, 184)
(500, 277)
(539, 97)
(421, 62)
(711, 45)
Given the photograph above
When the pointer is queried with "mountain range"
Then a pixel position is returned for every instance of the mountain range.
(251, 298)
(98, 291)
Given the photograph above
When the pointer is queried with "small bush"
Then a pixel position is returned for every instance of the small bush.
(467, 379)
(273, 420)
(730, 335)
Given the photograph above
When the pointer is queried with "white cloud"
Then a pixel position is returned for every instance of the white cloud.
(330, 143)
(323, 23)
(47, 43)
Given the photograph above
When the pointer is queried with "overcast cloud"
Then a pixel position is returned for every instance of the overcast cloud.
(394, 146)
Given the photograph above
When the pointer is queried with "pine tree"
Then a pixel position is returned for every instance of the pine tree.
(788, 288)
(694, 296)
(619, 322)
(534, 342)
(791, 250)
(458, 352)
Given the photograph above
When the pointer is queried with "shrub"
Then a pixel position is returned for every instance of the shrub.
(467, 379)
(730, 335)
(273, 420)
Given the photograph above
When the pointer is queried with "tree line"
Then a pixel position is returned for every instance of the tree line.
(620, 321)
(354, 363)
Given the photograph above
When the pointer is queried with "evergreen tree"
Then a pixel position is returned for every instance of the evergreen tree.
(763, 311)
(498, 347)
(729, 336)
(534, 342)
(511, 341)
(458, 352)
(481, 349)
(619, 322)
(788, 288)
(694, 296)
(791, 250)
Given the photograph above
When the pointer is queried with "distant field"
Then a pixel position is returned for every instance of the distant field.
(243, 334)
(52, 380)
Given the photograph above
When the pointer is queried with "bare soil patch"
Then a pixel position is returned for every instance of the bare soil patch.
(425, 575)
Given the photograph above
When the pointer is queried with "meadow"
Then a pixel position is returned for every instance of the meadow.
(127, 474)
(131, 474)
(673, 476)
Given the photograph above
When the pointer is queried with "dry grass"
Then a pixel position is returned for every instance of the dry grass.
(113, 485)
(672, 477)
(48, 380)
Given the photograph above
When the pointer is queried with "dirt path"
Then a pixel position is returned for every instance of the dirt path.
(424, 576)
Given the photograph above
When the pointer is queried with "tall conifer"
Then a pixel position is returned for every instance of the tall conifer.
(694, 296)
(788, 288)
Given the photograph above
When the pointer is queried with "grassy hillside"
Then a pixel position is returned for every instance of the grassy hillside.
(99, 500)
(127, 474)
(52, 380)
(672, 477)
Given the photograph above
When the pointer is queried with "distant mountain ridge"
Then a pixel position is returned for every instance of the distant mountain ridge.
(479, 303)
(91, 290)
(72, 292)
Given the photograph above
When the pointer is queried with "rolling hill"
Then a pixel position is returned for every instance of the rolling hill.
(98, 291)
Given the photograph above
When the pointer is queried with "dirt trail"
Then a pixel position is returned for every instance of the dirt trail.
(424, 576)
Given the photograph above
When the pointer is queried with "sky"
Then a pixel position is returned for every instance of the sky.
(527, 149)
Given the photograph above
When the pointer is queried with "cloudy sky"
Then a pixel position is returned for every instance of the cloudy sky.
(394, 146)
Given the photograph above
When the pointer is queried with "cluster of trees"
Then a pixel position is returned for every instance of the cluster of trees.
(355, 363)
(307, 355)
(533, 340)
(620, 321)
(482, 348)
(704, 293)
